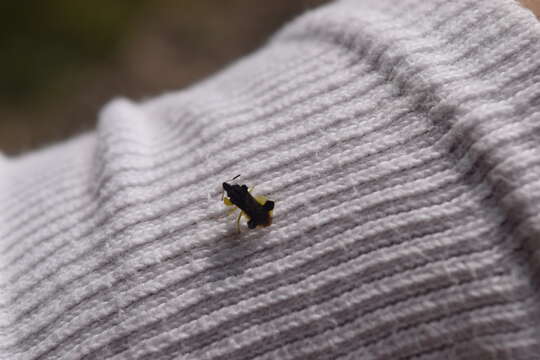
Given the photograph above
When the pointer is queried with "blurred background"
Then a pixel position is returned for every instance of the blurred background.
(62, 60)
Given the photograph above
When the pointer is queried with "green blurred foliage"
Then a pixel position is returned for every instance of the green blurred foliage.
(40, 39)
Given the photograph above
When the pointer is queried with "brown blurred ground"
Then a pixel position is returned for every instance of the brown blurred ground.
(533, 5)
(62, 59)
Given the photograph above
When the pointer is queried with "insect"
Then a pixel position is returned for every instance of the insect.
(257, 209)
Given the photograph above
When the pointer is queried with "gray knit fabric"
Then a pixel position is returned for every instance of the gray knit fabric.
(400, 141)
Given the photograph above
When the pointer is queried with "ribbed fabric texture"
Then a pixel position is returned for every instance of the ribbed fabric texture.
(400, 141)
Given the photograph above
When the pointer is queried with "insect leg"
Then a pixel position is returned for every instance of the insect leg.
(238, 221)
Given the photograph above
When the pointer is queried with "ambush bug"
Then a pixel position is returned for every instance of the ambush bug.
(258, 209)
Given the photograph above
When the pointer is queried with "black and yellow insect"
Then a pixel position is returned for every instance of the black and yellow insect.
(257, 209)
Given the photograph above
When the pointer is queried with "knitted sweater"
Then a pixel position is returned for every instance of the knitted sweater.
(400, 141)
